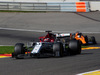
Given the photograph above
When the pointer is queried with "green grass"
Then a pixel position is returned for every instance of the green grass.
(84, 46)
(81, 46)
(10, 49)
(6, 49)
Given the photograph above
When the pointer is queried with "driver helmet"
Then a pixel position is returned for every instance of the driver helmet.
(79, 35)
(46, 39)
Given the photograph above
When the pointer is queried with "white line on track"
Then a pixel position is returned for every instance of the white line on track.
(6, 45)
(14, 29)
(21, 29)
(88, 72)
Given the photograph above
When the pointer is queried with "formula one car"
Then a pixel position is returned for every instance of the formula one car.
(83, 39)
(56, 45)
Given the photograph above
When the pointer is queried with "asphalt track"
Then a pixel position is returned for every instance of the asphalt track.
(69, 65)
(89, 60)
(84, 22)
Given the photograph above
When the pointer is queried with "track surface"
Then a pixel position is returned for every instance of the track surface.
(11, 37)
(84, 22)
(87, 61)
(71, 65)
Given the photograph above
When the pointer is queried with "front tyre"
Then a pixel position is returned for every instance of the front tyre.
(58, 49)
(19, 51)
(93, 40)
(86, 39)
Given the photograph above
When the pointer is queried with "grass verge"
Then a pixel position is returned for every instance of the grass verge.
(84, 46)
(10, 49)
(6, 49)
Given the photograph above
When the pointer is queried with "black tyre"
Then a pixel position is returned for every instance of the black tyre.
(19, 49)
(74, 47)
(58, 49)
(93, 40)
(86, 39)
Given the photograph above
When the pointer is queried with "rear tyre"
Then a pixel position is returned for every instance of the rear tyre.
(74, 47)
(93, 40)
(58, 49)
(19, 51)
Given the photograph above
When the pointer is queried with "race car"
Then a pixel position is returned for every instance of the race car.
(56, 45)
(83, 39)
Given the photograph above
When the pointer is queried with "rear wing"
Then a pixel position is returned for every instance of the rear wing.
(62, 35)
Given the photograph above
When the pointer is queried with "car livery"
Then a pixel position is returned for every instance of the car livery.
(56, 45)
